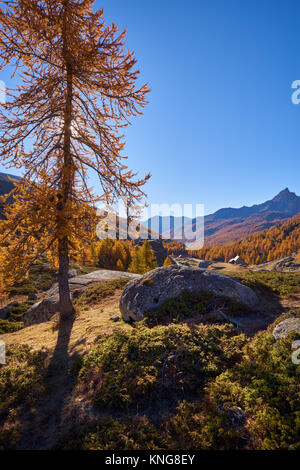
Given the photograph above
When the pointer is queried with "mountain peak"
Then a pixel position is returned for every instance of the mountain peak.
(284, 195)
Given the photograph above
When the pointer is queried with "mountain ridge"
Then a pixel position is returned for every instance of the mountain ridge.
(223, 226)
(231, 224)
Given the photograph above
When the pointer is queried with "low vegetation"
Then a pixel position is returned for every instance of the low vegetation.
(9, 327)
(265, 384)
(272, 281)
(204, 389)
(94, 294)
(168, 383)
(19, 309)
(114, 433)
(146, 365)
(22, 381)
(187, 305)
(40, 278)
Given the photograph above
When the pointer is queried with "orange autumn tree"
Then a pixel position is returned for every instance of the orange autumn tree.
(78, 90)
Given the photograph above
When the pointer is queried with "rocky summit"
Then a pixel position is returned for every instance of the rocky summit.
(154, 288)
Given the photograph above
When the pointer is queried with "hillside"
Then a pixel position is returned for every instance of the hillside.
(6, 184)
(230, 224)
(94, 384)
(260, 247)
(118, 227)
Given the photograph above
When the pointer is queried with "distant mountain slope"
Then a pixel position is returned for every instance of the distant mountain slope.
(118, 225)
(260, 247)
(166, 225)
(6, 185)
(230, 224)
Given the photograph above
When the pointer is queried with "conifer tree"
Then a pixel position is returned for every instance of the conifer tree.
(143, 260)
(120, 266)
(78, 91)
(148, 257)
(168, 261)
(137, 266)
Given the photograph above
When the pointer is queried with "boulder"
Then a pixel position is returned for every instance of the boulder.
(115, 318)
(286, 326)
(287, 263)
(154, 287)
(72, 272)
(43, 310)
(5, 312)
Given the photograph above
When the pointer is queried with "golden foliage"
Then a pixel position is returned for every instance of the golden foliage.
(112, 254)
(31, 229)
(143, 259)
(78, 91)
(174, 247)
(168, 261)
(267, 245)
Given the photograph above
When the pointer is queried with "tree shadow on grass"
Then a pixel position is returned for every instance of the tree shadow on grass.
(51, 414)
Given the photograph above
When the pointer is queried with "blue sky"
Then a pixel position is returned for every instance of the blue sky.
(220, 128)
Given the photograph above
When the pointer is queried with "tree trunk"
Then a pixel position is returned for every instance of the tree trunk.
(66, 307)
(66, 183)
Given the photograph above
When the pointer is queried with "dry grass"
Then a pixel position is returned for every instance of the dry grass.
(88, 325)
(232, 268)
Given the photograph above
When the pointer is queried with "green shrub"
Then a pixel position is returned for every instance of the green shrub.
(94, 294)
(270, 281)
(187, 305)
(143, 365)
(20, 378)
(19, 309)
(40, 278)
(199, 426)
(25, 287)
(21, 384)
(135, 433)
(9, 327)
(86, 270)
(266, 384)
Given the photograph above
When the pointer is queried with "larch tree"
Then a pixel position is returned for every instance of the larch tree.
(148, 256)
(168, 261)
(78, 89)
(143, 259)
